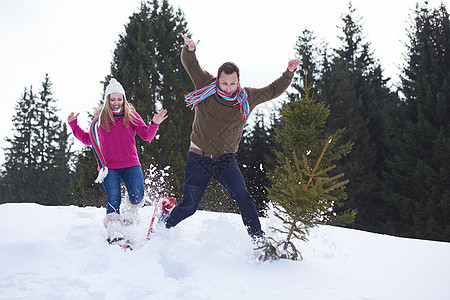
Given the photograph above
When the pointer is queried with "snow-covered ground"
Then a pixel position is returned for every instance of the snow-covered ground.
(62, 253)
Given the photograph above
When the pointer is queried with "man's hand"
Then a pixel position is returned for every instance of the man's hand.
(189, 43)
(293, 64)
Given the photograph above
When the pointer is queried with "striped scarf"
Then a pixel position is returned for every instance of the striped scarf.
(194, 98)
(93, 135)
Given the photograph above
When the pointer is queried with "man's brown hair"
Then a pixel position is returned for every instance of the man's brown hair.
(228, 68)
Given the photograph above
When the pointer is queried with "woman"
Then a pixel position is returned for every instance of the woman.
(112, 136)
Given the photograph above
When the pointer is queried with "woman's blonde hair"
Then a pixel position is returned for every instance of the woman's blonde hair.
(107, 117)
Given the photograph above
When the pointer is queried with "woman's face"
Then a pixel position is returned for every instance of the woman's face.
(116, 101)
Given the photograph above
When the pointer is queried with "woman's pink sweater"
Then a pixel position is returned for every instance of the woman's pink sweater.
(118, 145)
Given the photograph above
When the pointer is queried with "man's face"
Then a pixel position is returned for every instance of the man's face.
(228, 83)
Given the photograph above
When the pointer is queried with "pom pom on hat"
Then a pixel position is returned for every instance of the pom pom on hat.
(114, 87)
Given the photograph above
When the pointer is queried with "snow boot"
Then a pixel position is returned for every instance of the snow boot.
(113, 224)
(130, 214)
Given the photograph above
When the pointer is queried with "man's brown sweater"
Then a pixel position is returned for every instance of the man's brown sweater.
(217, 127)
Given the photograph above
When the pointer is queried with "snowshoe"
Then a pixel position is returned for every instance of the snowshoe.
(163, 207)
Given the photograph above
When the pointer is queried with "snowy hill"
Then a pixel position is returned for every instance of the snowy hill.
(61, 253)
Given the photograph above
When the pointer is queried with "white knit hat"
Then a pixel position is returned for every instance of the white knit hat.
(114, 87)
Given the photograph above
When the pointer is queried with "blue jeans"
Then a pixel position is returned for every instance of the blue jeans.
(199, 170)
(134, 182)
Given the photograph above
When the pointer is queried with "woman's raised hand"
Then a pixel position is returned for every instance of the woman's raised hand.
(159, 117)
(72, 117)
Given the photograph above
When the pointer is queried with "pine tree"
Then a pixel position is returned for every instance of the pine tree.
(309, 52)
(419, 167)
(304, 131)
(47, 126)
(304, 196)
(36, 167)
(353, 86)
(19, 160)
(147, 63)
(62, 158)
(51, 149)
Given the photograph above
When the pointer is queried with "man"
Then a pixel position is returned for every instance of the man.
(221, 111)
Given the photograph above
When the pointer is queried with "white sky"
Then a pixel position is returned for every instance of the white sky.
(73, 41)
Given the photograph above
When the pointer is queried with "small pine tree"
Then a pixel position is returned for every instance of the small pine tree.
(303, 197)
